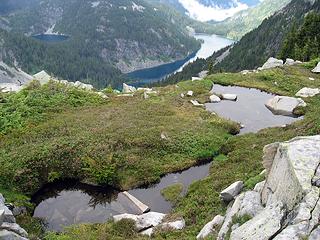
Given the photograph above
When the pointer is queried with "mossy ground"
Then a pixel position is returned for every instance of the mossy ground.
(172, 193)
(238, 158)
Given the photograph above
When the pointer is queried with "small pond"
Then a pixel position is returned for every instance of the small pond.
(71, 202)
(51, 38)
(249, 109)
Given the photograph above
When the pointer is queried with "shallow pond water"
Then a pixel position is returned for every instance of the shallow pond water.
(51, 38)
(249, 109)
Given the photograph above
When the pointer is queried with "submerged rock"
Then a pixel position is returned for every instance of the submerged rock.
(308, 92)
(214, 99)
(232, 191)
(282, 105)
(230, 97)
(272, 63)
(317, 68)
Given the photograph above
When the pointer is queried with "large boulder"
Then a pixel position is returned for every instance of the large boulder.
(308, 92)
(43, 77)
(282, 105)
(214, 99)
(317, 68)
(230, 192)
(210, 227)
(272, 63)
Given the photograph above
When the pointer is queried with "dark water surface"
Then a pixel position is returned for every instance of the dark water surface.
(249, 109)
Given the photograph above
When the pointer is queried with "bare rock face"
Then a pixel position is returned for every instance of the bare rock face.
(282, 105)
(210, 227)
(9, 229)
(290, 194)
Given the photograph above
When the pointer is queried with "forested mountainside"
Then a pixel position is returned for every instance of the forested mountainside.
(245, 21)
(106, 38)
(266, 41)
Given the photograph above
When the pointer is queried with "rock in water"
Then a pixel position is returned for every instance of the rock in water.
(214, 99)
(317, 68)
(230, 97)
(128, 89)
(272, 63)
(308, 92)
(282, 105)
(233, 190)
(209, 228)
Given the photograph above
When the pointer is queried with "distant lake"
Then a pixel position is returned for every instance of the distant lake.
(51, 37)
(211, 43)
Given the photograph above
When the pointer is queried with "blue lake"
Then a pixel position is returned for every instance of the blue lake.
(51, 37)
(210, 44)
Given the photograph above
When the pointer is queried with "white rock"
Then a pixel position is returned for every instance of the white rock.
(262, 226)
(1, 216)
(311, 79)
(315, 234)
(7, 235)
(144, 221)
(81, 85)
(190, 93)
(182, 95)
(10, 87)
(317, 68)
(230, 97)
(13, 227)
(290, 62)
(209, 228)
(282, 105)
(43, 77)
(196, 79)
(128, 89)
(250, 204)
(196, 103)
(175, 225)
(203, 74)
(259, 187)
(147, 232)
(272, 63)
(214, 99)
(101, 94)
(230, 192)
(308, 92)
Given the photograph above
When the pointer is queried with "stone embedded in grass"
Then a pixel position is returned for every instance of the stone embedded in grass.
(210, 227)
(196, 103)
(272, 63)
(232, 191)
(283, 105)
(190, 93)
(308, 92)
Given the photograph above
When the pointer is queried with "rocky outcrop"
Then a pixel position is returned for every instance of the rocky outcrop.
(282, 105)
(210, 227)
(317, 68)
(9, 229)
(272, 63)
(308, 92)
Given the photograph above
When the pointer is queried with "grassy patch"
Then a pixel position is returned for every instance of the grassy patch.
(172, 193)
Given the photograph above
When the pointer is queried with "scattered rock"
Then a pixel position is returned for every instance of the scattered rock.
(101, 94)
(81, 85)
(196, 103)
(245, 72)
(128, 89)
(196, 79)
(317, 68)
(144, 221)
(182, 95)
(210, 227)
(311, 79)
(214, 99)
(272, 63)
(308, 92)
(282, 105)
(190, 93)
(175, 225)
(164, 136)
(291, 62)
(230, 97)
(233, 190)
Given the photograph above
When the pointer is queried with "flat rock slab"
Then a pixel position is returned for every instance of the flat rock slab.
(308, 92)
(142, 207)
(283, 105)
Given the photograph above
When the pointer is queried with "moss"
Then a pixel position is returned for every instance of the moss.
(172, 193)
(251, 182)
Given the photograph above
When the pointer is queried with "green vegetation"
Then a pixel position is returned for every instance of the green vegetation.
(303, 43)
(240, 157)
(243, 22)
(172, 193)
(117, 142)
